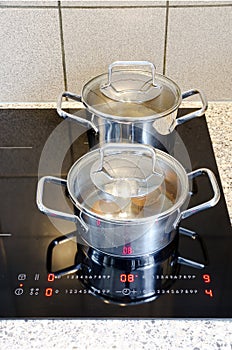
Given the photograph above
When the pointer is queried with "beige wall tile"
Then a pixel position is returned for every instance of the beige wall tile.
(94, 38)
(30, 55)
(199, 50)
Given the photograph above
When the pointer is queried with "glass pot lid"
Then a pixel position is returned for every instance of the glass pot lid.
(131, 90)
(123, 181)
(127, 171)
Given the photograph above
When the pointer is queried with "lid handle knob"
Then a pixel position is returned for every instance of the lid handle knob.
(119, 172)
(131, 84)
(131, 64)
(131, 147)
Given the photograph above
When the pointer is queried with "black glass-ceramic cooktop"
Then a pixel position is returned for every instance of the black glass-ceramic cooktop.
(34, 143)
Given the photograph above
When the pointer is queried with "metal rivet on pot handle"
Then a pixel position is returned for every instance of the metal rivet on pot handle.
(197, 113)
(63, 114)
(130, 64)
(51, 212)
(210, 203)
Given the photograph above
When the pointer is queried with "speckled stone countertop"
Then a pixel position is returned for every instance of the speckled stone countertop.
(135, 334)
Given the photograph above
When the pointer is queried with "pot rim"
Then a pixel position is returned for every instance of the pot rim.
(135, 221)
(129, 118)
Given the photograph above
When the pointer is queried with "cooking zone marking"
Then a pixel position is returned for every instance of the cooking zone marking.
(16, 147)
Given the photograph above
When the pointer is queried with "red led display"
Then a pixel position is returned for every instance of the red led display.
(127, 250)
(130, 278)
(127, 277)
(209, 292)
(51, 277)
(48, 292)
(206, 278)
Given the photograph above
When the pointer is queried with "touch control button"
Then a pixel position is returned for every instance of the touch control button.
(18, 291)
(126, 291)
(22, 277)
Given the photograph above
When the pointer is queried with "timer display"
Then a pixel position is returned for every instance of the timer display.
(48, 292)
(127, 277)
(127, 250)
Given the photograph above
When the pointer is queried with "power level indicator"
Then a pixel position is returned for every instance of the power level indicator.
(209, 292)
(51, 277)
(207, 280)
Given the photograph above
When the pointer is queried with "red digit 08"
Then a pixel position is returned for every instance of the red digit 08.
(123, 277)
(130, 277)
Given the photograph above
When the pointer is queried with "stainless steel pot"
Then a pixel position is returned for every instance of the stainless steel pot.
(138, 206)
(132, 104)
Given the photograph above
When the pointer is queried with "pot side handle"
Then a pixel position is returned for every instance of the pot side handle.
(197, 113)
(195, 237)
(210, 203)
(63, 114)
(52, 212)
(53, 244)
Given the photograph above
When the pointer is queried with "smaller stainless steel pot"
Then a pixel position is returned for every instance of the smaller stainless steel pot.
(132, 104)
(138, 206)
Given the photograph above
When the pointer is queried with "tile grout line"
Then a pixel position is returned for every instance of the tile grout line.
(112, 7)
(65, 72)
(166, 38)
(62, 47)
(143, 6)
(27, 7)
(81, 7)
(198, 6)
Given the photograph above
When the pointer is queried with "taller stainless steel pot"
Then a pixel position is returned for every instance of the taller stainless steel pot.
(143, 213)
(132, 103)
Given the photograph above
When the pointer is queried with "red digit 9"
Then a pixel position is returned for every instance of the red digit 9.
(206, 278)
